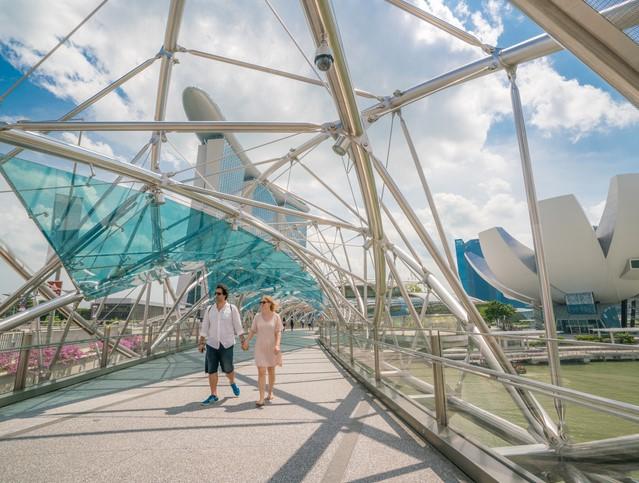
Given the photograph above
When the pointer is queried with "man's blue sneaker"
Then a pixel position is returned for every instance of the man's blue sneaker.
(210, 400)
(236, 390)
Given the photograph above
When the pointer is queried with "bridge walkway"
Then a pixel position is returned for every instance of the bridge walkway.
(145, 423)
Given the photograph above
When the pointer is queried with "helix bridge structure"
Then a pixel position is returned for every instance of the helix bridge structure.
(132, 229)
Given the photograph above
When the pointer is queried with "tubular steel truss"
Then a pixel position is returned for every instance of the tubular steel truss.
(349, 254)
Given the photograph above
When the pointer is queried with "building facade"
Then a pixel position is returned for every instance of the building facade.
(473, 283)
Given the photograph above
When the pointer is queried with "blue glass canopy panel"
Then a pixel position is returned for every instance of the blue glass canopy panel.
(113, 236)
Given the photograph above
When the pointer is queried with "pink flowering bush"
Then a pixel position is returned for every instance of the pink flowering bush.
(71, 353)
(9, 361)
(133, 342)
(68, 355)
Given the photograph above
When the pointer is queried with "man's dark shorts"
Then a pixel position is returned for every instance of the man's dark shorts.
(218, 357)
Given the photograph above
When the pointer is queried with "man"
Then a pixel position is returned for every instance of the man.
(220, 324)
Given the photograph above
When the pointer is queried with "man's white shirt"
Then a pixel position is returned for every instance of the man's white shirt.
(221, 326)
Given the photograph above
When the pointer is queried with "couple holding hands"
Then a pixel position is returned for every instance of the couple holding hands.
(220, 325)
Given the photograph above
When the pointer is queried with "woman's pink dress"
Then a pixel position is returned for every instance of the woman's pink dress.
(265, 345)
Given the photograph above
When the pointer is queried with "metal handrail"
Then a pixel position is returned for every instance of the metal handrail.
(610, 406)
(112, 337)
(524, 337)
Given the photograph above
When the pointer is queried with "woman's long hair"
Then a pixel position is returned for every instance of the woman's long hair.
(271, 302)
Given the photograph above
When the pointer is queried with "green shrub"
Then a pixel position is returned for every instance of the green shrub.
(624, 338)
(588, 337)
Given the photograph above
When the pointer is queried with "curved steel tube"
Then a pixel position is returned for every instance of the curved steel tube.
(324, 28)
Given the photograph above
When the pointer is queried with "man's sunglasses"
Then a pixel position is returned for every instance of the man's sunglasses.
(219, 293)
(264, 302)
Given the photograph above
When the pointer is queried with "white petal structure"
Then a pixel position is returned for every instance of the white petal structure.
(580, 258)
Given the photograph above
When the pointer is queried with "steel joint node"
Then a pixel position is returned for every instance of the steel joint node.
(165, 53)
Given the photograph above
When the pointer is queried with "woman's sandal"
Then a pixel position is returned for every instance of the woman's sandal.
(259, 404)
(270, 398)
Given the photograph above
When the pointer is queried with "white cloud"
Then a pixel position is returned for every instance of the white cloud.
(9, 119)
(467, 217)
(88, 143)
(485, 24)
(21, 236)
(495, 185)
(595, 211)
(488, 27)
(557, 104)
(476, 183)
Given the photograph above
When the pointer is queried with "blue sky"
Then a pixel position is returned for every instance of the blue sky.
(587, 165)
(29, 99)
(579, 139)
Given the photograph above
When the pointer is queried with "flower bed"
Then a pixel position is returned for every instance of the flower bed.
(68, 355)
(132, 342)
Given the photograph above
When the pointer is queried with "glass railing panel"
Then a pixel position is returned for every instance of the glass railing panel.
(73, 352)
(8, 366)
(589, 363)
(186, 333)
(587, 424)
(73, 358)
(410, 375)
(363, 355)
(603, 447)
(483, 410)
(487, 408)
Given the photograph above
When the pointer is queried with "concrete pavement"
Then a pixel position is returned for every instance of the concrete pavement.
(145, 423)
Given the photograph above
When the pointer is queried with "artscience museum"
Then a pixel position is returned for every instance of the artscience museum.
(593, 270)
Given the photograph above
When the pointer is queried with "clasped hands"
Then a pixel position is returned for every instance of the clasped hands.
(245, 347)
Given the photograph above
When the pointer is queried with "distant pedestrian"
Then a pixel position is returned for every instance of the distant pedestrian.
(267, 325)
(220, 324)
(292, 324)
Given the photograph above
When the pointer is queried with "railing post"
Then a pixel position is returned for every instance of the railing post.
(104, 356)
(337, 334)
(23, 362)
(350, 343)
(149, 340)
(177, 337)
(440, 384)
(376, 358)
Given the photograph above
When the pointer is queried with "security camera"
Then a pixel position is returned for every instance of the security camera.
(323, 56)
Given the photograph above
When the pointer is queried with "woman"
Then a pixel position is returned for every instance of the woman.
(268, 327)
